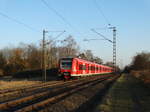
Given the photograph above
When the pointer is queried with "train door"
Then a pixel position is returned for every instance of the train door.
(87, 68)
(74, 67)
(96, 69)
(77, 67)
(92, 68)
(80, 67)
(84, 68)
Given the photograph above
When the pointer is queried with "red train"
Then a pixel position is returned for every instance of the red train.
(76, 67)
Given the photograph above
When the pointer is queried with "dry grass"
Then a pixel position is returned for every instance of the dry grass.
(16, 84)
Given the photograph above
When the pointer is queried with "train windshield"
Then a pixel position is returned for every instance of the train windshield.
(66, 64)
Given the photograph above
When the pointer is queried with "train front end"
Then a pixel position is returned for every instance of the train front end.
(65, 68)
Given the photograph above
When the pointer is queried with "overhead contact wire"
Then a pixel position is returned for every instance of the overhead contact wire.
(101, 12)
(59, 15)
(18, 22)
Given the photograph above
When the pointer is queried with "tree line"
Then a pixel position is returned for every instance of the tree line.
(29, 56)
(140, 62)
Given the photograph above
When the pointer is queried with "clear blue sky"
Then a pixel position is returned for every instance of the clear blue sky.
(131, 17)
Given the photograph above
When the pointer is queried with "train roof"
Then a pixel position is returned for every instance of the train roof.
(92, 62)
(79, 59)
(67, 58)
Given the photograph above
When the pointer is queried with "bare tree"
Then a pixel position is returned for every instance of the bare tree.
(29, 56)
(109, 64)
(97, 60)
(69, 48)
(33, 57)
(52, 54)
(141, 61)
(88, 55)
(2, 63)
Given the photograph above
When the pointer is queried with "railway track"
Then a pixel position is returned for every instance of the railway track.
(24, 87)
(8, 95)
(36, 98)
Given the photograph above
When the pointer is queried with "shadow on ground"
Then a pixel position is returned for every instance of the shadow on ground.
(128, 94)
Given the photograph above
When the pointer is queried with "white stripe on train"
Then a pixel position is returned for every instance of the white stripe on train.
(89, 74)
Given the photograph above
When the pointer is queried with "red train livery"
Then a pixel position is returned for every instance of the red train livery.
(74, 67)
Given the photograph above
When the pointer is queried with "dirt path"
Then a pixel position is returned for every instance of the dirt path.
(128, 94)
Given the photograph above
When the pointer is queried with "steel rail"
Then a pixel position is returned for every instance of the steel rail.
(45, 94)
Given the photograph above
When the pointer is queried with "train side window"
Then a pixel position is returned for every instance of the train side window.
(90, 67)
(84, 67)
(80, 67)
(93, 68)
(97, 68)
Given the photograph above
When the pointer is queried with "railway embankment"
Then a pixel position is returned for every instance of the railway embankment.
(128, 94)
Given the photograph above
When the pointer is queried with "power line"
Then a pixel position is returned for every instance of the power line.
(92, 39)
(59, 15)
(102, 35)
(59, 35)
(18, 22)
(100, 11)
